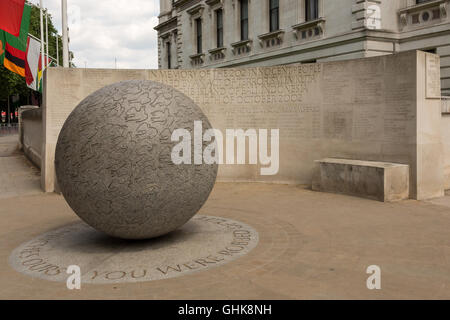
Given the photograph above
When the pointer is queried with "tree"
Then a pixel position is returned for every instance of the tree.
(35, 30)
(13, 84)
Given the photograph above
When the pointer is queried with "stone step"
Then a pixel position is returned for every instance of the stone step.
(381, 181)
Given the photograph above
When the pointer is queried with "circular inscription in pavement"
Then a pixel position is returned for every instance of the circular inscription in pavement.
(203, 243)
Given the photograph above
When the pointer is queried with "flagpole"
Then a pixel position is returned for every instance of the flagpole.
(65, 36)
(46, 37)
(42, 37)
(57, 50)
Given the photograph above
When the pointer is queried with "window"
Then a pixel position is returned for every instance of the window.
(274, 15)
(312, 9)
(244, 19)
(198, 27)
(421, 1)
(219, 28)
(169, 55)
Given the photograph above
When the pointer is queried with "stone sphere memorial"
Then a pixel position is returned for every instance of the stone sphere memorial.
(114, 166)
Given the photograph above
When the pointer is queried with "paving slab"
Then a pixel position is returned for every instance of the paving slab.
(18, 176)
(311, 246)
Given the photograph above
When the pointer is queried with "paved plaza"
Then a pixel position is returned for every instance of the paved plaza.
(311, 245)
(18, 175)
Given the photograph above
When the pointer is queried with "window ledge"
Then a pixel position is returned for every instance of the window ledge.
(422, 6)
(241, 47)
(197, 56)
(197, 59)
(308, 24)
(242, 43)
(272, 38)
(270, 35)
(317, 23)
(217, 53)
(217, 50)
(417, 10)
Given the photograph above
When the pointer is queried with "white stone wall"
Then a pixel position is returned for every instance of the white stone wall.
(378, 109)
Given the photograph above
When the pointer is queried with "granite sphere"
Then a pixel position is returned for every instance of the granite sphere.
(113, 160)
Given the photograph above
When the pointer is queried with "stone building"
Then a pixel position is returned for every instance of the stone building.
(230, 33)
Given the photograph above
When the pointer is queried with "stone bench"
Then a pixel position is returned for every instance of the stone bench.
(381, 181)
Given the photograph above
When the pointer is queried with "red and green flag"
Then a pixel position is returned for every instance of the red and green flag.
(11, 12)
(2, 46)
(13, 49)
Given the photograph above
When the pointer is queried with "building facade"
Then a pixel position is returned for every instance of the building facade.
(231, 33)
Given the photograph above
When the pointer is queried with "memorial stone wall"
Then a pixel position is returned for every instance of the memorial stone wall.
(381, 109)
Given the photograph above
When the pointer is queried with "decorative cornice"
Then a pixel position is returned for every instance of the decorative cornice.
(213, 2)
(166, 25)
(196, 9)
(184, 4)
(171, 33)
(214, 5)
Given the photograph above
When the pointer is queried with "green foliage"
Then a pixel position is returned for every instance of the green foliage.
(11, 83)
(35, 30)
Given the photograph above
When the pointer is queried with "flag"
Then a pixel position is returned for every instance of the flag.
(11, 12)
(32, 63)
(40, 70)
(15, 47)
(14, 60)
(2, 46)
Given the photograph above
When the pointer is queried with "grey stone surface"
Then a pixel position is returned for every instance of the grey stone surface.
(368, 179)
(18, 175)
(113, 160)
(30, 133)
(367, 109)
(203, 243)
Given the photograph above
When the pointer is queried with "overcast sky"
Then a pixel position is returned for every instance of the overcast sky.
(102, 30)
